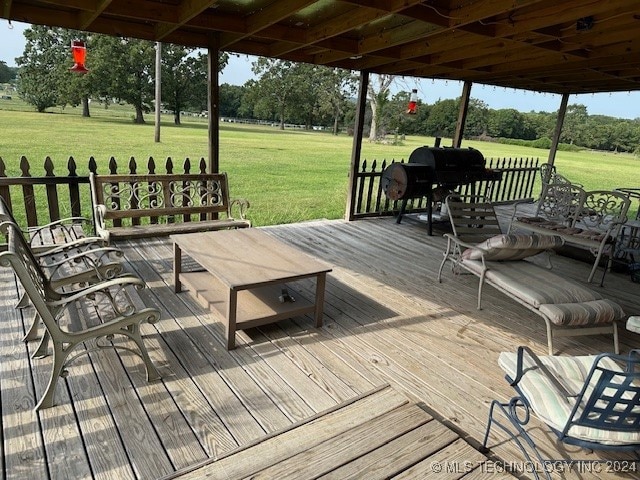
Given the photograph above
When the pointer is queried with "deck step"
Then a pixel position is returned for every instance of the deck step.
(379, 434)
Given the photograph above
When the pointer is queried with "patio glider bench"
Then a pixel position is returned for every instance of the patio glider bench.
(568, 308)
(589, 220)
(136, 205)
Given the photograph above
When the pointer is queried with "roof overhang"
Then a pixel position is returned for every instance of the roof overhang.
(569, 46)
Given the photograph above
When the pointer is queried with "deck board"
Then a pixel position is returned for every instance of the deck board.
(387, 321)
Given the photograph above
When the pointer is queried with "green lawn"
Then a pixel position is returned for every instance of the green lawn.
(288, 176)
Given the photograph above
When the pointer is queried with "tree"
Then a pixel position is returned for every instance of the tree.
(477, 118)
(442, 118)
(378, 94)
(42, 66)
(183, 72)
(506, 123)
(231, 99)
(337, 86)
(574, 122)
(131, 67)
(7, 74)
(275, 90)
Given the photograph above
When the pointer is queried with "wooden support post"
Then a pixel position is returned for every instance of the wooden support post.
(462, 114)
(558, 131)
(158, 89)
(356, 148)
(214, 104)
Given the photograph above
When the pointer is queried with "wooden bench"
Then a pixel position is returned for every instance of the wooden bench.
(136, 205)
(589, 220)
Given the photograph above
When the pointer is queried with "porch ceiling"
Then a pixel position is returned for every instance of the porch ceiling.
(573, 46)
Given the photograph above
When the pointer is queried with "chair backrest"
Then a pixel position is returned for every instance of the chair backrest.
(560, 202)
(5, 212)
(610, 399)
(34, 281)
(604, 210)
(473, 219)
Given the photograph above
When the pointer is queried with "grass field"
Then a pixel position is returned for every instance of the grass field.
(288, 176)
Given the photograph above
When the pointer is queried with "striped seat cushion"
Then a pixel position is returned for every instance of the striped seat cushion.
(595, 312)
(550, 405)
(512, 247)
(532, 284)
(633, 324)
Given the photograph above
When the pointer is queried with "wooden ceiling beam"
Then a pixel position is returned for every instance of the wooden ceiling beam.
(6, 9)
(428, 21)
(187, 10)
(265, 18)
(555, 13)
(361, 15)
(86, 18)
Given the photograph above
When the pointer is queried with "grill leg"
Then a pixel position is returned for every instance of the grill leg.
(403, 207)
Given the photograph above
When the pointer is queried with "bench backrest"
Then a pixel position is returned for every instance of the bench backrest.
(135, 196)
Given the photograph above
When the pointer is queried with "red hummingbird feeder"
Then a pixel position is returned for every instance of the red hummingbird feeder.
(79, 51)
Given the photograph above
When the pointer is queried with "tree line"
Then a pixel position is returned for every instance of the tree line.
(123, 69)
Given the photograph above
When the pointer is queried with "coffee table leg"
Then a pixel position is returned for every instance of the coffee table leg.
(177, 267)
(320, 286)
(232, 308)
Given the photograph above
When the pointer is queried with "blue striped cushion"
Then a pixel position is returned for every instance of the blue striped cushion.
(512, 247)
(550, 405)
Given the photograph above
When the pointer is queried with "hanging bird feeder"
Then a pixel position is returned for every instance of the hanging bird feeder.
(79, 52)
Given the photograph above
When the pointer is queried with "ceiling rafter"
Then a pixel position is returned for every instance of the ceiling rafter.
(186, 11)
(6, 10)
(347, 21)
(86, 18)
(266, 17)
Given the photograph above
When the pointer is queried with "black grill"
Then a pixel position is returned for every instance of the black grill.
(430, 168)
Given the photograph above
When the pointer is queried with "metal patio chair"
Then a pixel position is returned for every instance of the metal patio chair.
(110, 300)
(589, 401)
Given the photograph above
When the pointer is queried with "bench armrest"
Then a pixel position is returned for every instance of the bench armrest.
(99, 213)
(241, 205)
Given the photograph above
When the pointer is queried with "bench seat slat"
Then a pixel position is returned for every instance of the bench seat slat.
(140, 231)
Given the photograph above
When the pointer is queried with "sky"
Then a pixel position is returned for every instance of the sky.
(238, 71)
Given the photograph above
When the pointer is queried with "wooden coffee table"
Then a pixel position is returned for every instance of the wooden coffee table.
(246, 275)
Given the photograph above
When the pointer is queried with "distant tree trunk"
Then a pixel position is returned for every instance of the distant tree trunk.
(335, 124)
(378, 95)
(373, 129)
(85, 106)
(176, 117)
(282, 119)
(139, 115)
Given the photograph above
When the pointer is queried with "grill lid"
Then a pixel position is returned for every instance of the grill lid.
(449, 159)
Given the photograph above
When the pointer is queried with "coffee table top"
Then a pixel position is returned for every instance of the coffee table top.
(248, 257)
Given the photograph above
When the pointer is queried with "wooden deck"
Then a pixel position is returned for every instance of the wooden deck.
(387, 322)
